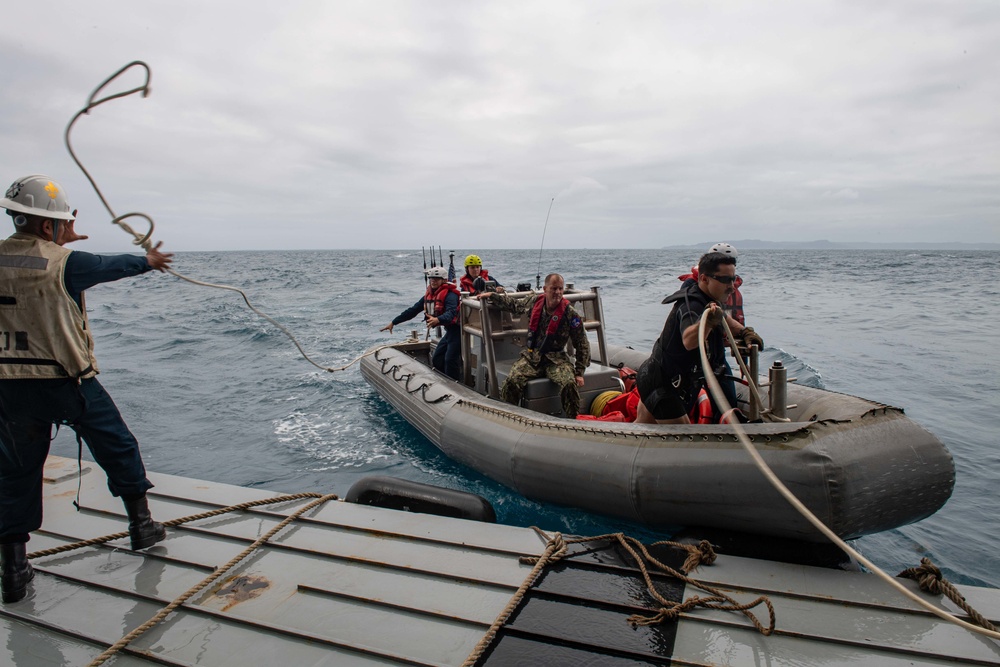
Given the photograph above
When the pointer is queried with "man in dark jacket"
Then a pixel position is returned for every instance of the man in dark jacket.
(440, 307)
(48, 370)
(669, 380)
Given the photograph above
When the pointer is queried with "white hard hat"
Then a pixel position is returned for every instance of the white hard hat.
(725, 249)
(437, 272)
(37, 195)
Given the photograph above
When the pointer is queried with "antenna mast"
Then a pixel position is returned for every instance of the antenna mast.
(538, 271)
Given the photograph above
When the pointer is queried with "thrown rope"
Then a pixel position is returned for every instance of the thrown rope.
(219, 571)
(144, 240)
(721, 401)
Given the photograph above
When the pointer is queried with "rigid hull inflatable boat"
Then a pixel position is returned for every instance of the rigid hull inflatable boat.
(862, 467)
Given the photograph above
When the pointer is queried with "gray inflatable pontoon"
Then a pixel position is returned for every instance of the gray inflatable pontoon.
(862, 467)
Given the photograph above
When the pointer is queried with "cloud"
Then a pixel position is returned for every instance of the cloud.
(314, 124)
(580, 186)
(849, 194)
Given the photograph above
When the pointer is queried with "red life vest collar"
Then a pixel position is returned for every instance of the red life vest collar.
(467, 280)
(437, 297)
(536, 318)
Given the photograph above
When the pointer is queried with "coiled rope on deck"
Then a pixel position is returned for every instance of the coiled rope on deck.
(144, 240)
(557, 548)
(218, 572)
(720, 400)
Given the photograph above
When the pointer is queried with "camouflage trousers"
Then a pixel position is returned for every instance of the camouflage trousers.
(562, 374)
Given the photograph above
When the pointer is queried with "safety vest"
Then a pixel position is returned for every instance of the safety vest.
(535, 322)
(734, 305)
(434, 301)
(43, 333)
(466, 281)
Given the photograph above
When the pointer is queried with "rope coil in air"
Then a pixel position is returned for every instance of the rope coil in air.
(145, 240)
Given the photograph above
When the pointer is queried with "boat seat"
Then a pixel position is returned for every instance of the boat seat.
(542, 394)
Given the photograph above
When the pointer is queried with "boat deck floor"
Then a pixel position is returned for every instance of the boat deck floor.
(348, 584)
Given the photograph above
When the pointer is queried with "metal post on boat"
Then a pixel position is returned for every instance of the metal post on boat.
(602, 341)
(753, 366)
(777, 377)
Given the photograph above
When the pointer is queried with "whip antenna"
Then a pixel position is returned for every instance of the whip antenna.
(538, 271)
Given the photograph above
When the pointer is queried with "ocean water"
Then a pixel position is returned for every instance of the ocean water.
(213, 391)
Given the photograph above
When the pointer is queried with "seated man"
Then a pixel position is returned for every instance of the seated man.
(553, 322)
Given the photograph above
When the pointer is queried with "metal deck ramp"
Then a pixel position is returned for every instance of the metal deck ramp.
(355, 585)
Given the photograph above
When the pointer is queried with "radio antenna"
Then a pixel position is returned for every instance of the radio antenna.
(538, 271)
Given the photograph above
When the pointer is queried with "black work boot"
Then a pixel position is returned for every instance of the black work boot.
(17, 571)
(141, 528)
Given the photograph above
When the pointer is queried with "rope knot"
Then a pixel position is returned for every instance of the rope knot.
(927, 575)
(668, 612)
(555, 550)
(703, 554)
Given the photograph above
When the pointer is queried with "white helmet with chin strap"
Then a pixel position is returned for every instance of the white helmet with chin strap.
(36, 195)
(725, 249)
(437, 272)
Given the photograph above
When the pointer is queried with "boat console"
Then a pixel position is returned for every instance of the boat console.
(493, 339)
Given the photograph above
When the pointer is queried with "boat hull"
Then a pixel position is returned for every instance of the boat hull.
(862, 467)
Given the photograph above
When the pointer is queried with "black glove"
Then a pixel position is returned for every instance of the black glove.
(715, 317)
(750, 337)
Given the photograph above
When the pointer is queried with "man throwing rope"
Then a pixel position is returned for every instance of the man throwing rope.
(48, 370)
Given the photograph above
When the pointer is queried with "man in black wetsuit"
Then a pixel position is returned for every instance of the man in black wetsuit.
(48, 370)
(669, 380)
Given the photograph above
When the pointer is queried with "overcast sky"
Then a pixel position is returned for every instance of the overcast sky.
(381, 124)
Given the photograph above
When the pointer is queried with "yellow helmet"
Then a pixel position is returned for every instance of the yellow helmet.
(473, 260)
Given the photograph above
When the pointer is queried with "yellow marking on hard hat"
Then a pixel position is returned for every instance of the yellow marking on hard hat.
(52, 190)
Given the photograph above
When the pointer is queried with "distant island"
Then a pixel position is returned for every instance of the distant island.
(757, 244)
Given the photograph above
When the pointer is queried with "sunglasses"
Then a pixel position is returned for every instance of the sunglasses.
(725, 280)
